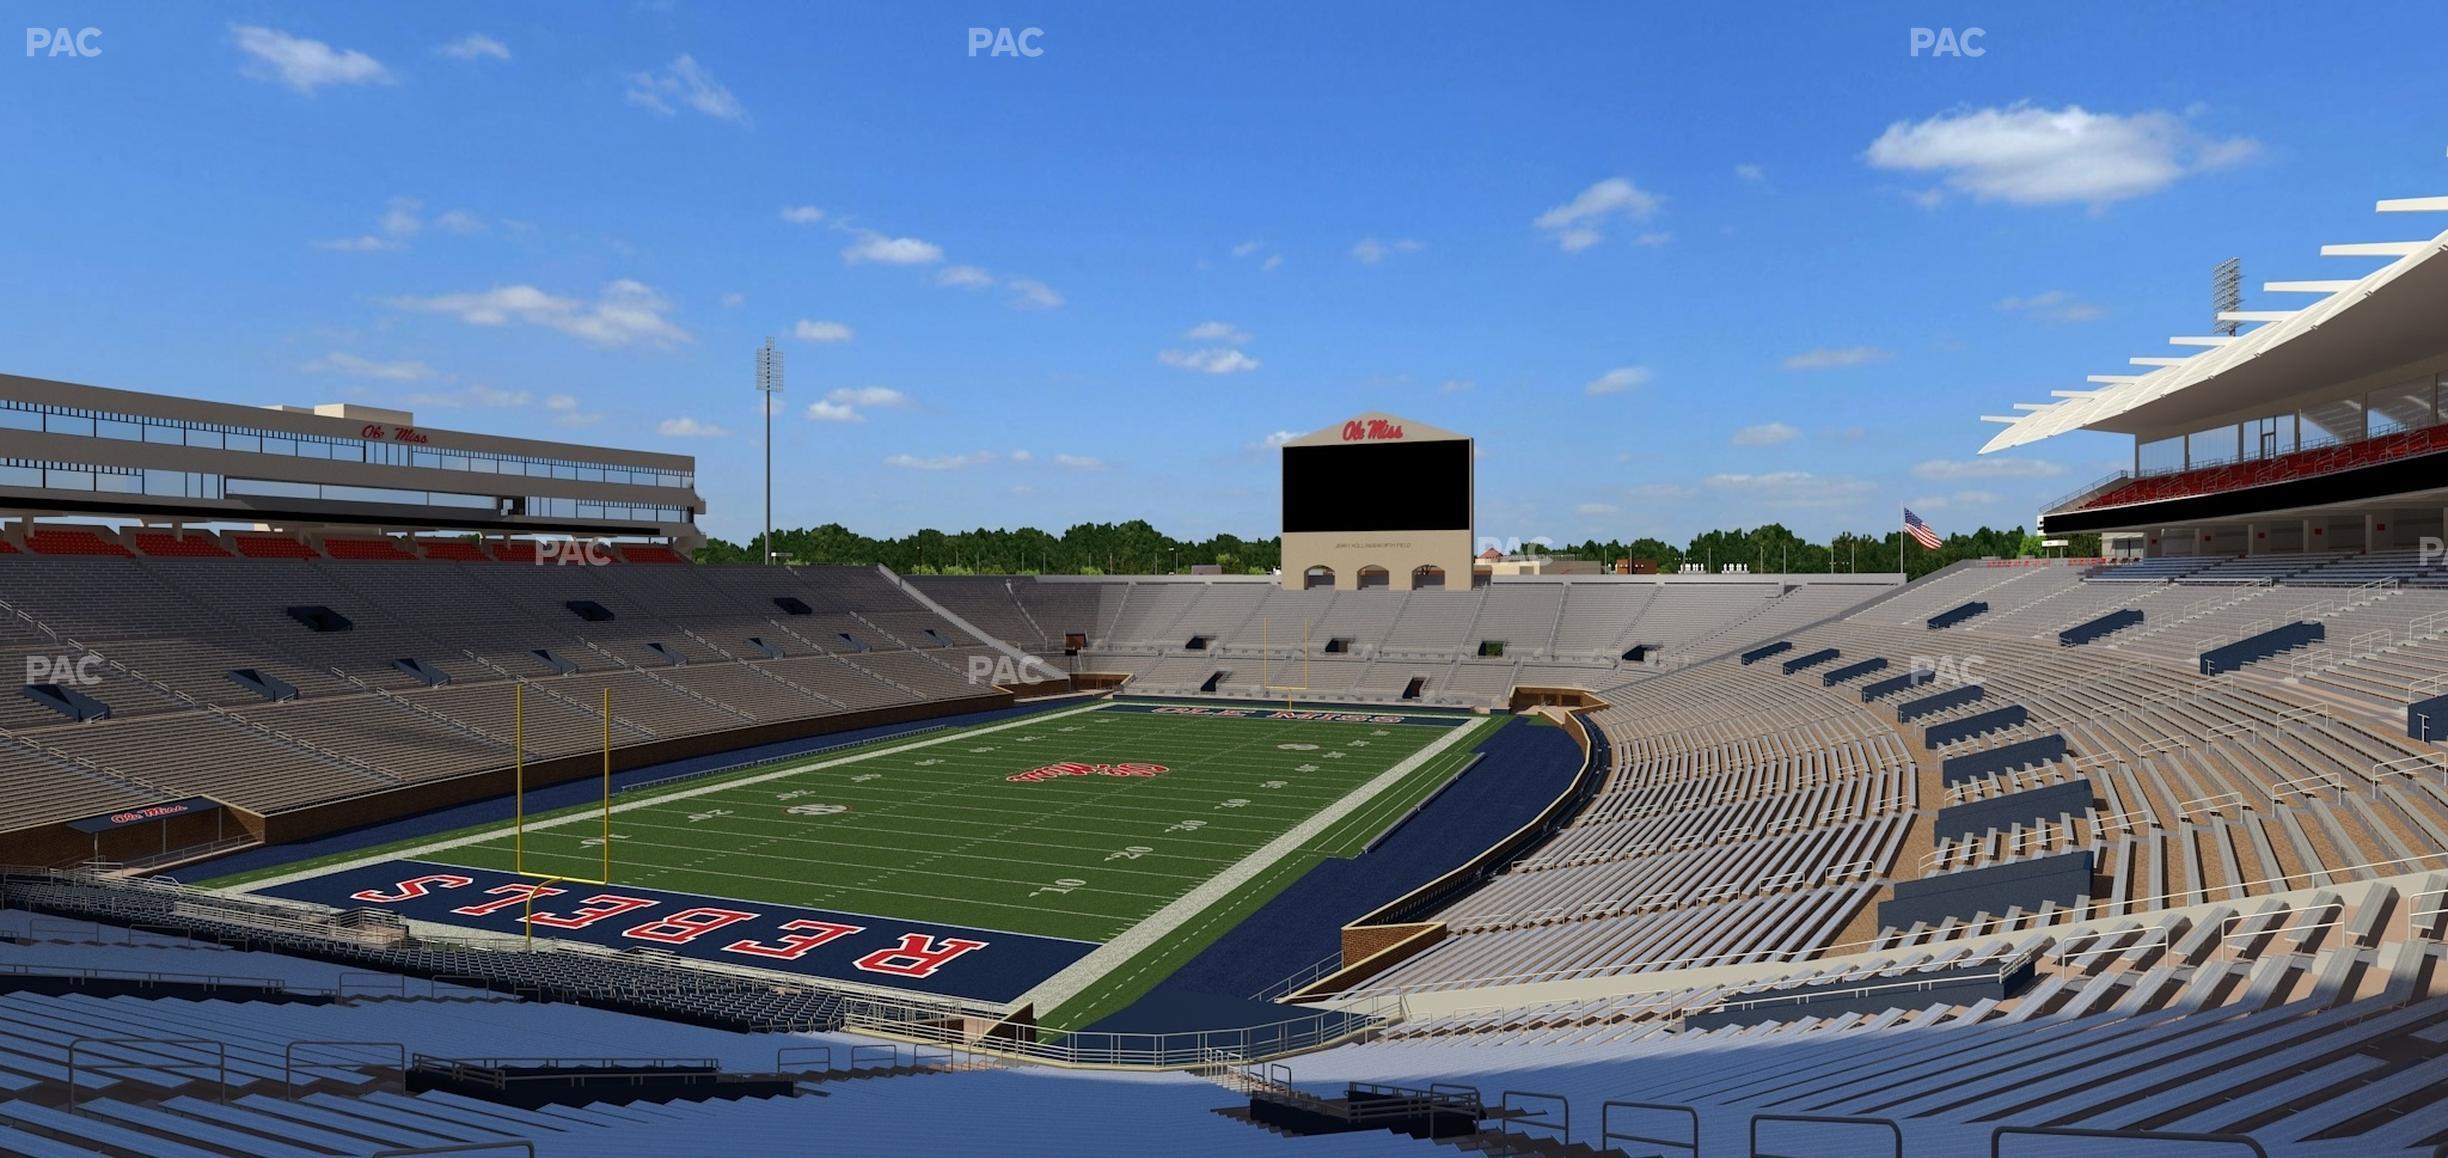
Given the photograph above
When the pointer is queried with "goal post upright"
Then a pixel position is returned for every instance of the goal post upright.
(518, 794)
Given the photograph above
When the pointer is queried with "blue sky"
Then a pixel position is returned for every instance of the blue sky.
(1676, 267)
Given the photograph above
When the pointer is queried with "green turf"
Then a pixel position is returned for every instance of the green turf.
(1347, 838)
(936, 833)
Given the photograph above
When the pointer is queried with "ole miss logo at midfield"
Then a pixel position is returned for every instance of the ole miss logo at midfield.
(1075, 768)
(1371, 430)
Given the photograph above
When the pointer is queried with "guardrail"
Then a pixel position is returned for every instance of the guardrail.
(1820, 1120)
(1998, 1136)
(1608, 1135)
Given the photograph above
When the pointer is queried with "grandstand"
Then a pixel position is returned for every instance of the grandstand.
(308, 785)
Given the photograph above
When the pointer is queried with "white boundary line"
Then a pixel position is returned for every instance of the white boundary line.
(719, 784)
(1076, 977)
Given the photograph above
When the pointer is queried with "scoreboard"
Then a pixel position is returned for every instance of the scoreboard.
(1377, 501)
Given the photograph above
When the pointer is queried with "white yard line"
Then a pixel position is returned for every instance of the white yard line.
(962, 735)
(1087, 971)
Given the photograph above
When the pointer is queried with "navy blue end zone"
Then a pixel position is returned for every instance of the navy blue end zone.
(944, 960)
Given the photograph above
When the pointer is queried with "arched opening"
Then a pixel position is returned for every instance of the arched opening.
(1375, 576)
(1318, 577)
(1427, 575)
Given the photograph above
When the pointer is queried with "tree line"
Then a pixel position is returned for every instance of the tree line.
(1137, 548)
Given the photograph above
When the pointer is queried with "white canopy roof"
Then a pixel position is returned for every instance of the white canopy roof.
(2387, 318)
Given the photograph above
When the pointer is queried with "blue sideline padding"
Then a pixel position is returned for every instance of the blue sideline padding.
(2262, 646)
(2428, 719)
(2114, 621)
(1765, 650)
(1954, 697)
(1955, 770)
(2023, 884)
(2002, 813)
(1947, 732)
(1911, 679)
(1814, 659)
(1953, 616)
(1852, 670)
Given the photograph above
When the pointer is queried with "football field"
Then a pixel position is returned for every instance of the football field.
(1045, 836)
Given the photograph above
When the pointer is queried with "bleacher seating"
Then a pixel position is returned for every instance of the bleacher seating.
(164, 545)
(72, 541)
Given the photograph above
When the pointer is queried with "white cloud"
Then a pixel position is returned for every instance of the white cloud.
(400, 216)
(1456, 386)
(476, 46)
(687, 82)
(734, 300)
(1958, 500)
(362, 244)
(1215, 360)
(459, 221)
(1370, 251)
(504, 399)
(2054, 306)
(1224, 332)
(1766, 434)
(872, 397)
(686, 427)
(1277, 440)
(802, 214)
(1021, 456)
(1245, 249)
(807, 331)
(825, 411)
(566, 411)
(352, 366)
(882, 250)
(1594, 509)
(1617, 380)
(1575, 225)
(1273, 262)
(1662, 491)
(1793, 488)
(940, 462)
(1079, 462)
(1948, 468)
(1825, 358)
(2023, 155)
(561, 402)
(625, 312)
(964, 277)
(1750, 172)
(1030, 294)
(302, 64)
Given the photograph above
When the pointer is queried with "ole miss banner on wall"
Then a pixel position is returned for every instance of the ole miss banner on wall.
(947, 960)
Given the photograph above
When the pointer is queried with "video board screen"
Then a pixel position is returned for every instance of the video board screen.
(1386, 486)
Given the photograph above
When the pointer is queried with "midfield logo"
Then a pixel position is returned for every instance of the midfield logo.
(1075, 768)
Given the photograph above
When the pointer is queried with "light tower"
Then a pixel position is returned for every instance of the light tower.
(2226, 295)
(769, 391)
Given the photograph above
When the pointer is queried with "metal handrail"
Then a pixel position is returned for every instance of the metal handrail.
(1824, 1120)
(860, 1055)
(1506, 1119)
(1997, 1137)
(782, 1062)
(1608, 1134)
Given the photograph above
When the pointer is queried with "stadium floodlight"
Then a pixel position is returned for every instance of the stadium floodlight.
(769, 390)
(2227, 295)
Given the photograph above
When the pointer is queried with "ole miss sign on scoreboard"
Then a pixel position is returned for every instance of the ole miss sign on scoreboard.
(947, 960)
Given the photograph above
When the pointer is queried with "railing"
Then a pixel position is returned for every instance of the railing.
(1554, 1113)
(1820, 1120)
(1608, 1135)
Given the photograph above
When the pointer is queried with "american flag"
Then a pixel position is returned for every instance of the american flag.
(1919, 530)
